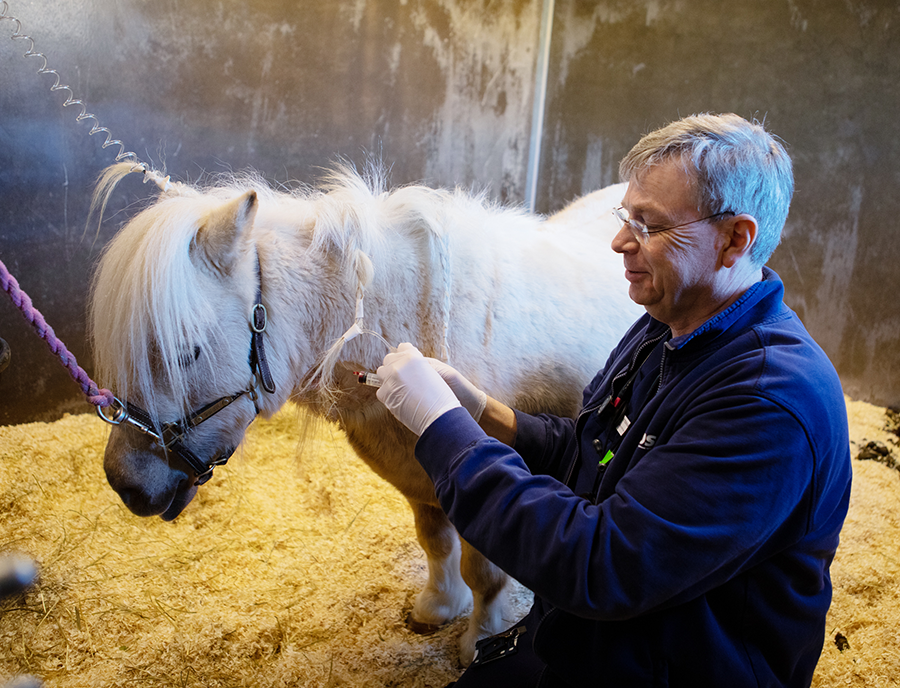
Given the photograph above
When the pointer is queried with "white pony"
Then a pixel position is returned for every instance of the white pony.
(527, 308)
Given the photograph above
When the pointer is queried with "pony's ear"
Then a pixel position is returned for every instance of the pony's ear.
(224, 230)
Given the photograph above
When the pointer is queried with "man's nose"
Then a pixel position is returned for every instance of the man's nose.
(624, 241)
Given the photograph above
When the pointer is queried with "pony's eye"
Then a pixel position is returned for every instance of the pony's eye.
(187, 360)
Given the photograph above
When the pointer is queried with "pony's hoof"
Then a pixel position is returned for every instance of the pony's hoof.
(421, 627)
(467, 648)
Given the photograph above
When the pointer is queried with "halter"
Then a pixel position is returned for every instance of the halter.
(170, 436)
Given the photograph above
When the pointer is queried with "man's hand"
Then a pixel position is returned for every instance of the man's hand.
(472, 399)
(412, 390)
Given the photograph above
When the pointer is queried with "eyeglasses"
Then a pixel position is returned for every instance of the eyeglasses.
(642, 232)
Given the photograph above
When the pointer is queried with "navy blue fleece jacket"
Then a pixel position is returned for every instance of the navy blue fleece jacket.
(703, 557)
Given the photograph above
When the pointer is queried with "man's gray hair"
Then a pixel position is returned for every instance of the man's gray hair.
(738, 167)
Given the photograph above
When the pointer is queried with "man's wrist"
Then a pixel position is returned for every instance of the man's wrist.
(499, 421)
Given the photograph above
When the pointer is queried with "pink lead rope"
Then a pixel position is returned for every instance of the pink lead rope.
(98, 397)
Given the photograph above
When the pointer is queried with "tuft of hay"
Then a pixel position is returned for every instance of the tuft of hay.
(301, 573)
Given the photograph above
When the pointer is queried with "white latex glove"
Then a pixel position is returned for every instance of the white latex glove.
(412, 390)
(472, 399)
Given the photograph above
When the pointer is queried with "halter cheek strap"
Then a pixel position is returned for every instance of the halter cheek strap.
(258, 323)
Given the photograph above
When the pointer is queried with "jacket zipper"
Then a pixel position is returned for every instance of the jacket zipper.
(603, 404)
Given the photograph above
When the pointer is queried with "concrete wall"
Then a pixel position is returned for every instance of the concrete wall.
(442, 91)
(825, 76)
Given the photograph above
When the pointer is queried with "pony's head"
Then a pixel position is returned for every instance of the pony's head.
(171, 309)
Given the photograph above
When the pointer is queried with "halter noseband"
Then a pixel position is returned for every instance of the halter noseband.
(169, 436)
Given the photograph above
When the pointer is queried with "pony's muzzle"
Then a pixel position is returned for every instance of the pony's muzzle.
(141, 475)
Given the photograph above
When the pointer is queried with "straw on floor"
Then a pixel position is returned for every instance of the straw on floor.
(290, 571)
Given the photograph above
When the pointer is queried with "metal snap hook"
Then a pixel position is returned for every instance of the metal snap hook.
(119, 413)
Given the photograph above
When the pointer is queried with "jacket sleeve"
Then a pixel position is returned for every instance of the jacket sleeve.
(687, 517)
(545, 443)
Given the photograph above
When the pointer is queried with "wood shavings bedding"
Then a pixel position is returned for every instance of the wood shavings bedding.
(287, 572)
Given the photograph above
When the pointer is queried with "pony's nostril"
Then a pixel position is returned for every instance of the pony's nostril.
(127, 497)
(138, 503)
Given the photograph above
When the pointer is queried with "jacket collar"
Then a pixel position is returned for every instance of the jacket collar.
(763, 300)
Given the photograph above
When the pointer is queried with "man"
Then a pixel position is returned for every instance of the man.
(680, 531)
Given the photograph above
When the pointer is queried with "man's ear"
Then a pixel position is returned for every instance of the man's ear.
(223, 230)
(740, 235)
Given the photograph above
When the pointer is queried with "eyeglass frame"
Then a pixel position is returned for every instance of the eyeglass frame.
(642, 232)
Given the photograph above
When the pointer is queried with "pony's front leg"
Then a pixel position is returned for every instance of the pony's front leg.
(487, 582)
(445, 595)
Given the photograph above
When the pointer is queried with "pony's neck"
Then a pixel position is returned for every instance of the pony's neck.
(351, 257)
(408, 296)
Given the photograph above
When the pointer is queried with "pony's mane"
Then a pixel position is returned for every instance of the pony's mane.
(149, 307)
(358, 215)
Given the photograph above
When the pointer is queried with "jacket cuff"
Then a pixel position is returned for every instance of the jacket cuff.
(447, 437)
(531, 438)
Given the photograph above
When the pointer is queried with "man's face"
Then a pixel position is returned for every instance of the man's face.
(673, 273)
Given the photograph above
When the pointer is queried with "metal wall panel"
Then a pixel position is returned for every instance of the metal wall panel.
(441, 90)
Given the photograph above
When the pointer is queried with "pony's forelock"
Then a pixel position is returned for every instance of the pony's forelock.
(149, 312)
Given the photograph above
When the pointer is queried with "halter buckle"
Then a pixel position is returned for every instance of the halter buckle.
(259, 318)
